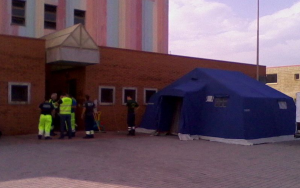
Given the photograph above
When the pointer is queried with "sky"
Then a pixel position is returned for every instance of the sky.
(227, 30)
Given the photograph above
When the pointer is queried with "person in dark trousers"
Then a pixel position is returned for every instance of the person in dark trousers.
(45, 122)
(131, 106)
(55, 118)
(65, 106)
(88, 117)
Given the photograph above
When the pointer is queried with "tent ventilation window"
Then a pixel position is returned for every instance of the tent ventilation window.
(221, 102)
(282, 105)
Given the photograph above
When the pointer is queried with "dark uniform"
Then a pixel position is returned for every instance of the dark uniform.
(89, 118)
(131, 105)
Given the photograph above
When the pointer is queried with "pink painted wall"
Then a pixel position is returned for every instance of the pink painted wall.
(133, 24)
(130, 13)
(3, 16)
(162, 25)
(61, 14)
(96, 20)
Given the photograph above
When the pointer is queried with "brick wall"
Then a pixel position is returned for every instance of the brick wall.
(286, 82)
(21, 60)
(126, 68)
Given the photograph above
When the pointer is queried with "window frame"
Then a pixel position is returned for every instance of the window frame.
(100, 94)
(296, 74)
(272, 82)
(145, 91)
(16, 16)
(50, 21)
(10, 84)
(123, 94)
(75, 16)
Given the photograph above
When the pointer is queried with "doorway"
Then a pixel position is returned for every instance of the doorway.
(170, 114)
(72, 87)
(176, 117)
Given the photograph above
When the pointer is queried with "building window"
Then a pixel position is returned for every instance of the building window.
(148, 92)
(296, 76)
(106, 95)
(271, 78)
(18, 12)
(282, 105)
(50, 17)
(221, 101)
(129, 91)
(79, 17)
(18, 93)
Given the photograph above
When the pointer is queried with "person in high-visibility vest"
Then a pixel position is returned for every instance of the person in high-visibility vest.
(45, 121)
(55, 118)
(65, 106)
(88, 116)
(73, 116)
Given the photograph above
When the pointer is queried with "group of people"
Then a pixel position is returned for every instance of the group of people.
(61, 112)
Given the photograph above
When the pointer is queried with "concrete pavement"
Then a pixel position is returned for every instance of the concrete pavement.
(115, 160)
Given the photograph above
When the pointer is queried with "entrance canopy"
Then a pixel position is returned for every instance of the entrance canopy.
(71, 46)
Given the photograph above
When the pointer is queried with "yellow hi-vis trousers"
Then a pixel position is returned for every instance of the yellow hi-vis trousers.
(73, 123)
(45, 124)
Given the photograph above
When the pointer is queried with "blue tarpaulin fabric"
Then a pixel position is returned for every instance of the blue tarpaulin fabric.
(252, 110)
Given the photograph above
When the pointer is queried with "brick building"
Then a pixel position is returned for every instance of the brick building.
(131, 24)
(22, 78)
(27, 76)
(285, 79)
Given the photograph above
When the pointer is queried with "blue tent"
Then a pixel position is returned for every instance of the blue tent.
(221, 105)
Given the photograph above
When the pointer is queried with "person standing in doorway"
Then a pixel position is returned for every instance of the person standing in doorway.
(88, 117)
(45, 122)
(131, 106)
(65, 106)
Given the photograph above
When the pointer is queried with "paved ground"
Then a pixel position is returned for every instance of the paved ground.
(114, 160)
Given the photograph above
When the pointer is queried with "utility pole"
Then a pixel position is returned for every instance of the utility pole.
(257, 44)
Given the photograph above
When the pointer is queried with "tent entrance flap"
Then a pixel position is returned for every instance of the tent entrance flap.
(170, 114)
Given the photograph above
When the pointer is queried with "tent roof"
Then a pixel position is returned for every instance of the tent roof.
(183, 88)
(75, 36)
(237, 82)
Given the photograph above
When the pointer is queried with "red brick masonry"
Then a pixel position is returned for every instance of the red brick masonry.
(23, 60)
